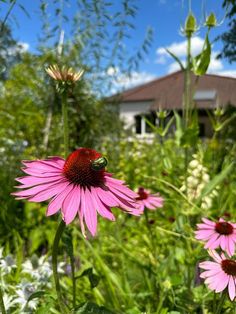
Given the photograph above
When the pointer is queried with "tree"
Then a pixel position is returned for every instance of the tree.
(229, 37)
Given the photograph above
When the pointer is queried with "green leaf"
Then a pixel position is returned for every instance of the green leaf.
(201, 62)
(90, 307)
(176, 59)
(216, 181)
(189, 137)
(36, 295)
(93, 278)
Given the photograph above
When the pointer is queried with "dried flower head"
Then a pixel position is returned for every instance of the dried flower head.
(64, 74)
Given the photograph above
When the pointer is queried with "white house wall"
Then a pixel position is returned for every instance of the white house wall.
(128, 111)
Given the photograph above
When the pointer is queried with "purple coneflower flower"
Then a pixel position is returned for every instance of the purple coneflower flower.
(150, 201)
(78, 184)
(217, 234)
(220, 273)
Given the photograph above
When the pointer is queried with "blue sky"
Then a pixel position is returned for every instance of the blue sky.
(164, 16)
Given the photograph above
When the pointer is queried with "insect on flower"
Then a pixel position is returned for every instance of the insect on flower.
(78, 185)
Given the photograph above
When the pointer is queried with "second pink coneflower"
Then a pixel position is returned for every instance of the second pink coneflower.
(78, 185)
(220, 274)
(217, 234)
(147, 200)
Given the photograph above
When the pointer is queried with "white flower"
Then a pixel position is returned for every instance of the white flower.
(24, 291)
(205, 177)
(193, 163)
(40, 269)
(7, 264)
(196, 173)
(192, 181)
(8, 301)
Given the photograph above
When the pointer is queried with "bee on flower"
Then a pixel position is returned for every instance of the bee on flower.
(79, 185)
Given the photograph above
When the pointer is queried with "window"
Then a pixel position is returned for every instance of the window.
(141, 124)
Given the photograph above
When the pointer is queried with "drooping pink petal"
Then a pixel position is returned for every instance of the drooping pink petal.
(33, 191)
(205, 226)
(215, 256)
(208, 222)
(71, 205)
(107, 197)
(209, 265)
(222, 284)
(148, 204)
(101, 208)
(231, 288)
(42, 166)
(124, 189)
(46, 194)
(113, 180)
(211, 272)
(223, 242)
(35, 173)
(90, 213)
(29, 181)
(204, 234)
(231, 247)
(213, 243)
(56, 202)
(212, 240)
(123, 193)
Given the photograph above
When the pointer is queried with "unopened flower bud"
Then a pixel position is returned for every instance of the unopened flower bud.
(192, 181)
(206, 177)
(190, 25)
(193, 163)
(218, 112)
(211, 20)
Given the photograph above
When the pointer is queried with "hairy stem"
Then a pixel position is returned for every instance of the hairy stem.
(55, 247)
(65, 124)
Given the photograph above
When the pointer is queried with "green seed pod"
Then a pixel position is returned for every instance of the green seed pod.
(99, 163)
(211, 20)
(190, 25)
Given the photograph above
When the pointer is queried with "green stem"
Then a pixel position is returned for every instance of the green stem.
(150, 232)
(65, 123)
(72, 263)
(56, 241)
(176, 234)
(221, 303)
(187, 87)
(2, 307)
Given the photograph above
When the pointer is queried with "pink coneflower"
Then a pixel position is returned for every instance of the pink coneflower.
(220, 274)
(150, 201)
(217, 234)
(78, 184)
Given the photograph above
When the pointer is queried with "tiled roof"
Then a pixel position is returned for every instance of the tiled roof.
(167, 92)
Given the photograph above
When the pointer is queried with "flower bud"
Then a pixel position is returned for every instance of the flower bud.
(205, 177)
(194, 163)
(190, 25)
(211, 20)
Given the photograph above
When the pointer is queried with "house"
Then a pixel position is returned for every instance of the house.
(138, 104)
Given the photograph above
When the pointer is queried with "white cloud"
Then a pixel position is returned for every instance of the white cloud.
(122, 81)
(180, 48)
(229, 73)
